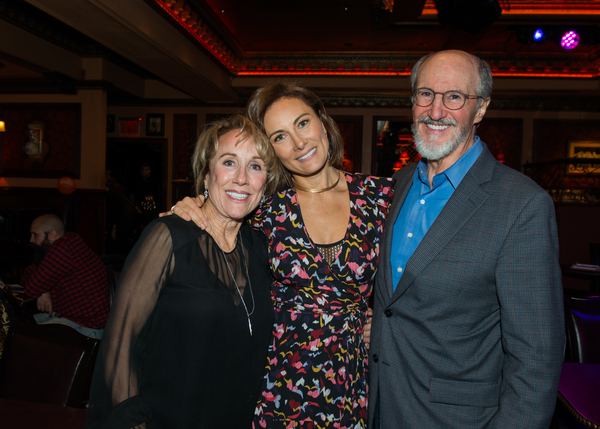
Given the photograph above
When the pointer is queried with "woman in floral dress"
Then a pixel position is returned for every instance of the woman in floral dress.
(323, 229)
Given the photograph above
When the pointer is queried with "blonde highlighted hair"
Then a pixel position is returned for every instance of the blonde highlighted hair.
(208, 144)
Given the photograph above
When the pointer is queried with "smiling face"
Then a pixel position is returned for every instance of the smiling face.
(297, 135)
(439, 131)
(236, 179)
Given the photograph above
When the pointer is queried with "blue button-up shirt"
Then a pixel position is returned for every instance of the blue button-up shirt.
(423, 205)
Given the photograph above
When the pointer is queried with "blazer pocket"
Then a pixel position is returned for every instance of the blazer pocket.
(471, 393)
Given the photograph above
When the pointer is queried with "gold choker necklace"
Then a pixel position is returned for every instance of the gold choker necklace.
(318, 191)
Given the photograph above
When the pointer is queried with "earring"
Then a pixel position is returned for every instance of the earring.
(262, 199)
(205, 193)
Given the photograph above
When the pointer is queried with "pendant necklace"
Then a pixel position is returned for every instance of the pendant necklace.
(248, 314)
(318, 191)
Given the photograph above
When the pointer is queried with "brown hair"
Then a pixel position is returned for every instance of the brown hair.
(265, 96)
(208, 144)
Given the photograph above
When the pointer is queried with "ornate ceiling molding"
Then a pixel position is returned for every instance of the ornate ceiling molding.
(517, 65)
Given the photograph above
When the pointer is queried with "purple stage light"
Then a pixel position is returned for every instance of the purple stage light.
(569, 40)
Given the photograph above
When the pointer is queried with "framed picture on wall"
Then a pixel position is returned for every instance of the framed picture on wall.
(583, 149)
(155, 124)
(42, 140)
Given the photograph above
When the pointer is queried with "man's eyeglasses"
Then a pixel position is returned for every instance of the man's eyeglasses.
(453, 100)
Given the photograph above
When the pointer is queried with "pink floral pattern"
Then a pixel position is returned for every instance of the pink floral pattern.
(317, 363)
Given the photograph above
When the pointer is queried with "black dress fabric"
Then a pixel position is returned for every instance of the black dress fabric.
(177, 351)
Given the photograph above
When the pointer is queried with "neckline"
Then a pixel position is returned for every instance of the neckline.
(301, 217)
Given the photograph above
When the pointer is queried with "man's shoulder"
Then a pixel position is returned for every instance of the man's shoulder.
(498, 177)
(509, 178)
(69, 240)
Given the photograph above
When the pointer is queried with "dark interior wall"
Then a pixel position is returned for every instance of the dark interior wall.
(578, 226)
(551, 136)
(503, 136)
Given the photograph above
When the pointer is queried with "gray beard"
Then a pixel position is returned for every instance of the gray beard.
(430, 149)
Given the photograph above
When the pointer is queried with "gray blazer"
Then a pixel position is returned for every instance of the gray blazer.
(473, 335)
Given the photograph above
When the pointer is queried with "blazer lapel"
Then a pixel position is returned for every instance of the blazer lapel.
(463, 203)
(404, 179)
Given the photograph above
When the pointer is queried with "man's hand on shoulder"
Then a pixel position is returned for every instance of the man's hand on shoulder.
(44, 303)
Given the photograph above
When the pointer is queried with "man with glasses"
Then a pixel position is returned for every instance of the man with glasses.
(468, 326)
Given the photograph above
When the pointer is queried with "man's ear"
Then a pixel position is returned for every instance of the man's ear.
(52, 236)
(481, 111)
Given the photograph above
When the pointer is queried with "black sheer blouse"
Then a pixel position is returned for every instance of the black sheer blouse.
(177, 351)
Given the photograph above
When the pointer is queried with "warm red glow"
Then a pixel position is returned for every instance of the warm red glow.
(526, 74)
(533, 8)
(320, 72)
(353, 73)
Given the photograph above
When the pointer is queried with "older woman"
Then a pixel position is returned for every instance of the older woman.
(323, 230)
(188, 333)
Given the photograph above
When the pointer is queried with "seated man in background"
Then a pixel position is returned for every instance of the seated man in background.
(67, 277)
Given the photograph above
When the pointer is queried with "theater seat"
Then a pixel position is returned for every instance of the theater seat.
(578, 389)
(50, 364)
(582, 320)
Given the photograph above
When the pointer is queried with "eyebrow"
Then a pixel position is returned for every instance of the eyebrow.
(235, 155)
(295, 122)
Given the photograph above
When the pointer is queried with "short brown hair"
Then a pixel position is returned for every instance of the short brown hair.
(265, 96)
(208, 144)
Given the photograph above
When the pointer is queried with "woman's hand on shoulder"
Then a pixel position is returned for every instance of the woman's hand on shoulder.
(189, 209)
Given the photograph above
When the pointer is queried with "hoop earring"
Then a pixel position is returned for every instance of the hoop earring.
(205, 193)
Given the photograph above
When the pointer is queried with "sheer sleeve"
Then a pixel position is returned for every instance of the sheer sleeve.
(115, 401)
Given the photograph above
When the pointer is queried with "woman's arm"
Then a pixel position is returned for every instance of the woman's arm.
(115, 400)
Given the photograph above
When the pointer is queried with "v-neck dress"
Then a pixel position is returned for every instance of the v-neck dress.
(317, 363)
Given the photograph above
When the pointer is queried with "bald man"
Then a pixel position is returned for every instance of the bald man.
(67, 278)
(468, 322)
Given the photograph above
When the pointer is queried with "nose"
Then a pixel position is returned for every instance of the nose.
(241, 177)
(299, 142)
(437, 109)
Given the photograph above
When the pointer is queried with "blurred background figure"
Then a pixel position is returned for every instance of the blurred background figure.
(67, 278)
(146, 195)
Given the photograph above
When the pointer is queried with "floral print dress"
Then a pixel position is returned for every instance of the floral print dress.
(317, 363)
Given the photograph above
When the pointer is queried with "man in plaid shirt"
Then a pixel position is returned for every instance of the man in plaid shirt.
(67, 278)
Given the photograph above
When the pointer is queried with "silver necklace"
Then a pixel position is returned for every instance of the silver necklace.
(235, 283)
